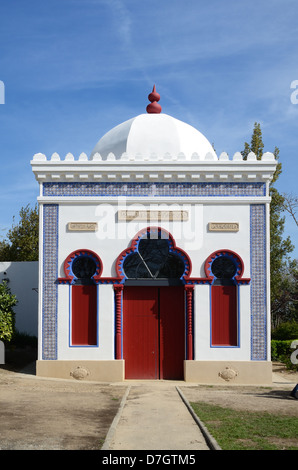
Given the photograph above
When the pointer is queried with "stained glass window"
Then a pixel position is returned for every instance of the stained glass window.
(153, 260)
(83, 267)
(223, 268)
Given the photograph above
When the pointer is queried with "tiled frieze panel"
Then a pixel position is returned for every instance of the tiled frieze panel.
(50, 274)
(258, 283)
(154, 189)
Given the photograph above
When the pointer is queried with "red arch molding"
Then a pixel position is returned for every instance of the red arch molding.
(120, 277)
(235, 257)
(149, 231)
(69, 276)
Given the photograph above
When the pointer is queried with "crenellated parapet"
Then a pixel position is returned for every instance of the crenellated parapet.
(168, 167)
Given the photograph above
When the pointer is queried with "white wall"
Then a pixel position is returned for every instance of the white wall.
(106, 333)
(203, 351)
(192, 236)
(23, 283)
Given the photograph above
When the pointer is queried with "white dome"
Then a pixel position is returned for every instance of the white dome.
(154, 134)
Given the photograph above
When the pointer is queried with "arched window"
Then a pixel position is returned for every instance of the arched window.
(224, 267)
(82, 268)
(153, 256)
(153, 260)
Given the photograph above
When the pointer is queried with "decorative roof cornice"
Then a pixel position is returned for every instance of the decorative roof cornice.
(139, 168)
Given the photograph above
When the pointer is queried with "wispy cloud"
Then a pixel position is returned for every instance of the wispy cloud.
(74, 69)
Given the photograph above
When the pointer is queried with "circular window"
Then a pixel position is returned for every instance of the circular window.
(83, 267)
(223, 268)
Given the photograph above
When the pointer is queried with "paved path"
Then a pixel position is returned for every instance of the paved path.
(153, 416)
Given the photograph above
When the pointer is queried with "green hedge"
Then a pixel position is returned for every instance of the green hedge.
(281, 351)
(285, 331)
(7, 315)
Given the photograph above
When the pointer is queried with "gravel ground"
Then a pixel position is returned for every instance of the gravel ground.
(51, 414)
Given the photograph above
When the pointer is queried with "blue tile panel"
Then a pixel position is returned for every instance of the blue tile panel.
(258, 282)
(154, 189)
(50, 274)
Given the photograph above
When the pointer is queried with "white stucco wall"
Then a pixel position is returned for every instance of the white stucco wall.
(203, 351)
(192, 236)
(23, 283)
(106, 327)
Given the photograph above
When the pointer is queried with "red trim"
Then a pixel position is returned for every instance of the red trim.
(118, 304)
(68, 261)
(232, 254)
(189, 296)
(119, 278)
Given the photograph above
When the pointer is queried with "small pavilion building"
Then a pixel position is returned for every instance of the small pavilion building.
(154, 258)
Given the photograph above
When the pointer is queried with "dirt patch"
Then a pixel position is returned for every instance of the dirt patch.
(275, 399)
(48, 414)
(257, 399)
(283, 444)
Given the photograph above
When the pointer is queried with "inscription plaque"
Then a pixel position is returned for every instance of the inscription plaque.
(82, 226)
(223, 226)
(153, 215)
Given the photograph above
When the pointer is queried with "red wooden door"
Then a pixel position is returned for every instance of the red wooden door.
(224, 315)
(172, 332)
(140, 332)
(84, 315)
(153, 332)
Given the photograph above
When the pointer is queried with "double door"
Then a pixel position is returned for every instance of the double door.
(153, 332)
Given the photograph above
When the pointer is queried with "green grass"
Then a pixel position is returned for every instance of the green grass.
(243, 430)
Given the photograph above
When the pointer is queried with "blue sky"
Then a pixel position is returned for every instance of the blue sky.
(73, 69)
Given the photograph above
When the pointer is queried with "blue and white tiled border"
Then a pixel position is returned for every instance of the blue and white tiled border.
(155, 189)
(49, 286)
(258, 261)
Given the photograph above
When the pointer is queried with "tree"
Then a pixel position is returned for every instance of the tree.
(291, 206)
(286, 303)
(256, 145)
(281, 267)
(21, 243)
(7, 315)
